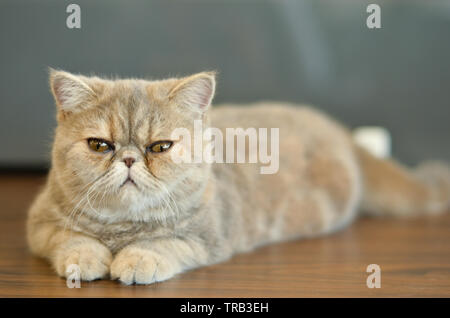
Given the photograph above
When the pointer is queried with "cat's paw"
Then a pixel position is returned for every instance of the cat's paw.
(93, 260)
(135, 265)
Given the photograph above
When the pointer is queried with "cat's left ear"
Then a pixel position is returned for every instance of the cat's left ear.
(195, 92)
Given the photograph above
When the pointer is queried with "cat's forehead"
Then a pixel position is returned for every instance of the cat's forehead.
(135, 110)
(130, 94)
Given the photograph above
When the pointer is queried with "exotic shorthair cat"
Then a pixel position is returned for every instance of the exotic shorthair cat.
(118, 206)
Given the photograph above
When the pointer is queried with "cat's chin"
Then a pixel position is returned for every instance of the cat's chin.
(128, 193)
(131, 197)
(128, 186)
(129, 182)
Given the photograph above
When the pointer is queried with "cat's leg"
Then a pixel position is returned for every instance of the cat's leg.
(64, 248)
(92, 257)
(146, 262)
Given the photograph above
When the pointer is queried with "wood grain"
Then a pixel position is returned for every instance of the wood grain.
(414, 256)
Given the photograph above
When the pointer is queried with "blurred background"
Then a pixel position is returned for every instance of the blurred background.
(318, 52)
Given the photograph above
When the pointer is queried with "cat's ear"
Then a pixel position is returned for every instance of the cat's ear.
(195, 92)
(71, 92)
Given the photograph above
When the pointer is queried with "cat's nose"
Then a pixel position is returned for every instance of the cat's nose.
(129, 161)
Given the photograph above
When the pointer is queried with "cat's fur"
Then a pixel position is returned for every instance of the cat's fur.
(182, 216)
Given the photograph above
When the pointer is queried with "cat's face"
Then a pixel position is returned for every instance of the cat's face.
(113, 141)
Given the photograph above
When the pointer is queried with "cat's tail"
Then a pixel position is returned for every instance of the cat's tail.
(392, 189)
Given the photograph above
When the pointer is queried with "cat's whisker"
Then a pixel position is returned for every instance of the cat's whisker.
(81, 204)
(170, 198)
(79, 200)
(95, 187)
(169, 202)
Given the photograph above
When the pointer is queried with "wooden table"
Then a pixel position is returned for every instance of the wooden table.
(414, 257)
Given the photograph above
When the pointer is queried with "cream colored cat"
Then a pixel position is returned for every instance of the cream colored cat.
(117, 205)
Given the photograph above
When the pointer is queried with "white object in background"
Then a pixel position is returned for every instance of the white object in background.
(376, 140)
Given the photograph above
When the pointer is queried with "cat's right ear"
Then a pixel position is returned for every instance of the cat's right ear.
(71, 92)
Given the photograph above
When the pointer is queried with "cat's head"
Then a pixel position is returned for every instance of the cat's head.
(113, 141)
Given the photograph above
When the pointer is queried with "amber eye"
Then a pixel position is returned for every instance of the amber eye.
(100, 145)
(160, 146)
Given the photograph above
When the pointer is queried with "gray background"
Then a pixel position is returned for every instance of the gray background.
(317, 52)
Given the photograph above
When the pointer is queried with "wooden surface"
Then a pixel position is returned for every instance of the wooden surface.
(414, 256)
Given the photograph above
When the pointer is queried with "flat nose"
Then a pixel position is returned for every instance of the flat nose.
(129, 161)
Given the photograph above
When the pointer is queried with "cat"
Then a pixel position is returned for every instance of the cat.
(117, 205)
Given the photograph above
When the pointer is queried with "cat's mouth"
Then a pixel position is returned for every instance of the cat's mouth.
(128, 181)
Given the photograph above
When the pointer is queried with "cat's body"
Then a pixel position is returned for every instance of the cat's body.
(174, 217)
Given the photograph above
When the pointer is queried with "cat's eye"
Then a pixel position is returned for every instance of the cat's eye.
(100, 145)
(160, 146)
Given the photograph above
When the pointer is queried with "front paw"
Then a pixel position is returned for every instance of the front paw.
(92, 258)
(141, 266)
